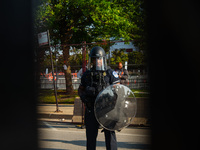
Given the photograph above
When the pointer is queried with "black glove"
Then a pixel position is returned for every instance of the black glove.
(90, 91)
(85, 99)
(98, 89)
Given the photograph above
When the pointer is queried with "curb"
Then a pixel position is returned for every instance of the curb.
(69, 117)
(54, 116)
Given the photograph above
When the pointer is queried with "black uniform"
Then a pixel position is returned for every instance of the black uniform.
(93, 82)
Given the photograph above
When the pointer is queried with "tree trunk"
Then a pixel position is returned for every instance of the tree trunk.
(68, 78)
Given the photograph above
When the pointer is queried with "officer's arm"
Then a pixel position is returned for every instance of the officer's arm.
(114, 77)
(81, 89)
(81, 93)
(84, 91)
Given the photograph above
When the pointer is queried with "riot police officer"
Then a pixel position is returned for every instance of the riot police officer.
(94, 80)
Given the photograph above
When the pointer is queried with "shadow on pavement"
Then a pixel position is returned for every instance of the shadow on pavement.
(54, 124)
(60, 105)
(52, 149)
(102, 144)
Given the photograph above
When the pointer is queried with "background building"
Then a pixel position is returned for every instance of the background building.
(127, 47)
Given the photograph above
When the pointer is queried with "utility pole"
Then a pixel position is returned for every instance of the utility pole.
(84, 57)
(83, 70)
(55, 90)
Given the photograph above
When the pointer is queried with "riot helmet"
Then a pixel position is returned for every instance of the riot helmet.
(97, 59)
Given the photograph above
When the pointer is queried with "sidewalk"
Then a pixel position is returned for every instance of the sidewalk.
(48, 111)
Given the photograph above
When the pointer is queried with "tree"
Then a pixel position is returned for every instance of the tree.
(138, 16)
(74, 21)
(137, 58)
(118, 56)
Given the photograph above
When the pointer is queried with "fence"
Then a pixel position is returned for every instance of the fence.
(137, 79)
(135, 82)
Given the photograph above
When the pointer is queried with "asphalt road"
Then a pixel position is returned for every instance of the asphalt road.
(67, 136)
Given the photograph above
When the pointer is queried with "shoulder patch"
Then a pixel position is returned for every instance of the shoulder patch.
(115, 74)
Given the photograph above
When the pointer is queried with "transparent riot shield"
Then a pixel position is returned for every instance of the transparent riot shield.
(115, 107)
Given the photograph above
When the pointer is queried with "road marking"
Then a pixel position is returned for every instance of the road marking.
(81, 131)
(123, 134)
(48, 125)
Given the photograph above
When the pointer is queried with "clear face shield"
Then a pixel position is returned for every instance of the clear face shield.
(98, 63)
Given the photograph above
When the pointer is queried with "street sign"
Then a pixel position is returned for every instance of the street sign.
(43, 38)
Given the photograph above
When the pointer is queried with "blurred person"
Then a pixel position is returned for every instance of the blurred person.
(80, 72)
(122, 73)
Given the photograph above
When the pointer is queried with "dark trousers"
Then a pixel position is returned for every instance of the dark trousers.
(92, 126)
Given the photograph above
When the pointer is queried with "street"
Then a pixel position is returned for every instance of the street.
(67, 136)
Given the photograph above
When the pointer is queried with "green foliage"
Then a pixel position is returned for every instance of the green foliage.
(76, 59)
(74, 21)
(47, 96)
(136, 58)
(91, 20)
(118, 56)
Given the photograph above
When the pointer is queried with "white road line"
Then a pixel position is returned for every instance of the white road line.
(73, 131)
(123, 134)
(49, 126)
